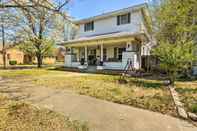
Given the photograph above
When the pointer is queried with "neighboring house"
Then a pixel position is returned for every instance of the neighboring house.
(109, 40)
(49, 60)
(14, 54)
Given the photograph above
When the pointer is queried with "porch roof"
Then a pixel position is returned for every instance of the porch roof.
(104, 38)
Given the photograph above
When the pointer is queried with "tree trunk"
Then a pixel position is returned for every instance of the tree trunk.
(4, 59)
(3, 48)
(39, 60)
(172, 77)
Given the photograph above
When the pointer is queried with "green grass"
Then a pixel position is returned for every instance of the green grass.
(16, 116)
(188, 94)
(20, 73)
(142, 93)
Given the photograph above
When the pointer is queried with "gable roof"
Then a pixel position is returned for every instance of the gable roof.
(110, 14)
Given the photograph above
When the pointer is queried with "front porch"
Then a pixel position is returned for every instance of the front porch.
(110, 54)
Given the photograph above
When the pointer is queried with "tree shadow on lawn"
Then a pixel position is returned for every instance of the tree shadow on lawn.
(158, 80)
(154, 80)
(145, 83)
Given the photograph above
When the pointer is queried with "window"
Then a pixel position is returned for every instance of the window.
(120, 51)
(89, 26)
(124, 19)
(74, 57)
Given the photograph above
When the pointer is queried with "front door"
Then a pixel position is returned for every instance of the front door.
(92, 57)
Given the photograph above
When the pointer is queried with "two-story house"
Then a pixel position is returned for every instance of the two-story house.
(109, 40)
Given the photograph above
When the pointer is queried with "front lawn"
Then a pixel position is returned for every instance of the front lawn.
(142, 93)
(146, 94)
(188, 95)
(23, 73)
(16, 116)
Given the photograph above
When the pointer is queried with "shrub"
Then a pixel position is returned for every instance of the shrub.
(193, 108)
(12, 62)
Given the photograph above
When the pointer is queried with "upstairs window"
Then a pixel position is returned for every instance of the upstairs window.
(89, 26)
(124, 19)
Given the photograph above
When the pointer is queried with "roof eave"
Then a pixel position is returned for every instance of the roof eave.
(103, 38)
(110, 14)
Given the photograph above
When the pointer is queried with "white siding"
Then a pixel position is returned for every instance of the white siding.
(121, 65)
(68, 61)
(108, 25)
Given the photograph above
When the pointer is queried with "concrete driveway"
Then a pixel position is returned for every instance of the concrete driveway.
(105, 116)
(100, 115)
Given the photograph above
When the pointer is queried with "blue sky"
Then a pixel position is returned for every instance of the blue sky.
(85, 8)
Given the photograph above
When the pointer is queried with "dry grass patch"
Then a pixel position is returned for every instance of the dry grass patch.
(146, 94)
(15, 116)
(188, 94)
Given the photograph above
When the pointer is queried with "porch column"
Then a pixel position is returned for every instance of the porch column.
(86, 54)
(101, 52)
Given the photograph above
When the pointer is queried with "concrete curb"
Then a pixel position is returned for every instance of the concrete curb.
(179, 105)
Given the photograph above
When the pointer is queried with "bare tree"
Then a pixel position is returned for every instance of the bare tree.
(53, 5)
(8, 22)
(38, 23)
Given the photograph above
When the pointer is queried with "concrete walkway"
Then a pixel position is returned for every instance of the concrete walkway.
(101, 115)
